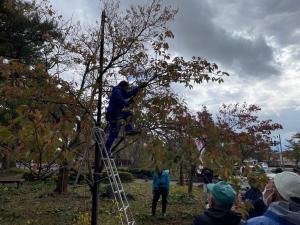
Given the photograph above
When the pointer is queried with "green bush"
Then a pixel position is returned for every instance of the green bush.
(12, 172)
(73, 175)
(123, 169)
(28, 176)
(107, 192)
(141, 173)
(124, 176)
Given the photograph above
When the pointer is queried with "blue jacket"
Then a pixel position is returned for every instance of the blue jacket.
(119, 99)
(278, 213)
(162, 181)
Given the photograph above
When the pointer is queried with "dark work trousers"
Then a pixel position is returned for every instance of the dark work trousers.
(164, 195)
(114, 127)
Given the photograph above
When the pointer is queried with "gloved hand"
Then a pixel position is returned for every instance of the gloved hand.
(143, 85)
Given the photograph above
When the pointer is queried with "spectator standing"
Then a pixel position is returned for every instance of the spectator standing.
(283, 198)
(221, 197)
(160, 187)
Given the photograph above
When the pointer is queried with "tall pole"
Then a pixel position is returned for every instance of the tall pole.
(95, 188)
(281, 157)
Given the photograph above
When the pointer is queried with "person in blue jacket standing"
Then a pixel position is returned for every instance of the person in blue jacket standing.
(160, 187)
(121, 97)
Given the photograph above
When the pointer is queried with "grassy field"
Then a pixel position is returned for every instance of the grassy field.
(35, 203)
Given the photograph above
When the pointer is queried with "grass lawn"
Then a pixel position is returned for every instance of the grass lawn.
(35, 203)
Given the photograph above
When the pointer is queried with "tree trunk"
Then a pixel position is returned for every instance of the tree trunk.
(12, 163)
(181, 182)
(4, 162)
(191, 176)
(63, 178)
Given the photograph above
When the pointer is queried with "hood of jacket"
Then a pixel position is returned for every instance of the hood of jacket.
(287, 211)
(224, 216)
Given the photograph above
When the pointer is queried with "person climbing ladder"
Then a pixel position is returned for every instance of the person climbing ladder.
(120, 98)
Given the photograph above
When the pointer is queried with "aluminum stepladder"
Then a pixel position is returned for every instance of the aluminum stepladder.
(114, 180)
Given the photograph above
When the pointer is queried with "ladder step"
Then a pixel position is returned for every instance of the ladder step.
(124, 208)
(114, 174)
(106, 159)
(119, 191)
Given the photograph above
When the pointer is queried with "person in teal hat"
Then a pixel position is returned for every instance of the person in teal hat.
(221, 197)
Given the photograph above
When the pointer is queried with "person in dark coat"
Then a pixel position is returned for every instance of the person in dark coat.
(254, 196)
(121, 97)
(221, 198)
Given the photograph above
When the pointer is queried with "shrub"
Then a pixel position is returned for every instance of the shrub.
(72, 177)
(12, 172)
(141, 173)
(124, 176)
(28, 176)
(107, 192)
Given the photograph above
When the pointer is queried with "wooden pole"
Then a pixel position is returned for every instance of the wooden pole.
(95, 188)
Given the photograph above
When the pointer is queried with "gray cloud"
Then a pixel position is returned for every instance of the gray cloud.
(276, 18)
(208, 28)
(197, 34)
(87, 12)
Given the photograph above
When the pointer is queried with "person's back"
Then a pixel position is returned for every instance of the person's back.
(283, 197)
(254, 196)
(218, 217)
(119, 97)
(221, 197)
(278, 213)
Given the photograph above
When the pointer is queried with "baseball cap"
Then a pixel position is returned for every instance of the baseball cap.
(288, 185)
(222, 192)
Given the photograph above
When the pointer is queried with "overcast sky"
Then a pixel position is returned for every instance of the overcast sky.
(256, 41)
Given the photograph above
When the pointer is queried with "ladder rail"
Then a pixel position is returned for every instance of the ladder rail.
(114, 179)
(113, 190)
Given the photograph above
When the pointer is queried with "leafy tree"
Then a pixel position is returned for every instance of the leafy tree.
(138, 51)
(234, 137)
(242, 128)
(27, 31)
(294, 146)
(21, 39)
(31, 44)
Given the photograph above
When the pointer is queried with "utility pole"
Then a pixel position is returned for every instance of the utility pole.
(281, 157)
(95, 188)
(277, 142)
